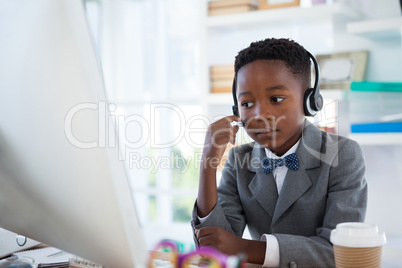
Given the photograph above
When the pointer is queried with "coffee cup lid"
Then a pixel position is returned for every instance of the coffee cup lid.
(357, 234)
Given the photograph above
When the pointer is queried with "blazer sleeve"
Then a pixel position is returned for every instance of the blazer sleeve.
(346, 202)
(228, 212)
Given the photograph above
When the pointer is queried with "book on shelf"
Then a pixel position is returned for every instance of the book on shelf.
(221, 90)
(222, 7)
(227, 68)
(222, 83)
(376, 86)
(268, 4)
(377, 127)
(228, 3)
(221, 78)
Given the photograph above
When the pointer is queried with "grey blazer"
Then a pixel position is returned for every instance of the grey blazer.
(328, 188)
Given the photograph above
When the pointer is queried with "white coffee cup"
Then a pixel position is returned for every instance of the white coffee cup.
(357, 244)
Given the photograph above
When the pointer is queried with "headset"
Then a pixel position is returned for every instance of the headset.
(312, 102)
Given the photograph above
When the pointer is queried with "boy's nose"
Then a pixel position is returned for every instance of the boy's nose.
(263, 112)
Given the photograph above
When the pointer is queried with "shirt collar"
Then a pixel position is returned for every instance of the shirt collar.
(292, 150)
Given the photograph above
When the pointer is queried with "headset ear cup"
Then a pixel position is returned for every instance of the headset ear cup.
(318, 102)
(308, 111)
(313, 101)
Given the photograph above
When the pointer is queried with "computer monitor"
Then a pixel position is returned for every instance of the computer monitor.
(61, 182)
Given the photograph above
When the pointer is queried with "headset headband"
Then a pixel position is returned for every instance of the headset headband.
(313, 101)
(316, 91)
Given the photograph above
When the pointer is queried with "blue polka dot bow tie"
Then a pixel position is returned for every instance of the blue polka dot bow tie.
(290, 161)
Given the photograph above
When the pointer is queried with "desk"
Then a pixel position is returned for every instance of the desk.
(166, 256)
(159, 256)
(45, 256)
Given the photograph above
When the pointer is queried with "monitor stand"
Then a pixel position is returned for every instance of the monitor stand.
(11, 242)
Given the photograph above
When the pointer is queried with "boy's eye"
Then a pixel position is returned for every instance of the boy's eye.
(247, 104)
(277, 99)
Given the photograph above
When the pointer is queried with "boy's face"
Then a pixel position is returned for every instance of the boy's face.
(271, 103)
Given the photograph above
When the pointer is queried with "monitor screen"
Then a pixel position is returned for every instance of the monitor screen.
(61, 180)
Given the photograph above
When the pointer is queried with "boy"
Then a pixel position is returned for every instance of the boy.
(289, 210)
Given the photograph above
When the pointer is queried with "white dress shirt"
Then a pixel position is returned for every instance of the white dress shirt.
(279, 173)
(272, 246)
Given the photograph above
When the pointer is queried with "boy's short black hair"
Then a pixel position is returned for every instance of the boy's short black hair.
(291, 53)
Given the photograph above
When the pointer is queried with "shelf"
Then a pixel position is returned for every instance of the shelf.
(377, 138)
(290, 15)
(352, 95)
(333, 94)
(377, 29)
(220, 98)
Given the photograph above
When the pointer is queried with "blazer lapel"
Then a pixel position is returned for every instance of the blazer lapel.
(298, 182)
(262, 186)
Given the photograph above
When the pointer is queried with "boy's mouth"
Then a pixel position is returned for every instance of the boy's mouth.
(260, 131)
(265, 132)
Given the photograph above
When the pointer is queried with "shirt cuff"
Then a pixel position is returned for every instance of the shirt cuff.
(272, 251)
(203, 219)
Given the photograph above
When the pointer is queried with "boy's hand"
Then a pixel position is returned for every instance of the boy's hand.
(230, 244)
(224, 241)
(219, 134)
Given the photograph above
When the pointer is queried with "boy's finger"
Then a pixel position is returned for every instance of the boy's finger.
(204, 231)
(228, 119)
(233, 118)
(201, 232)
(225, 123)
(206, 241)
